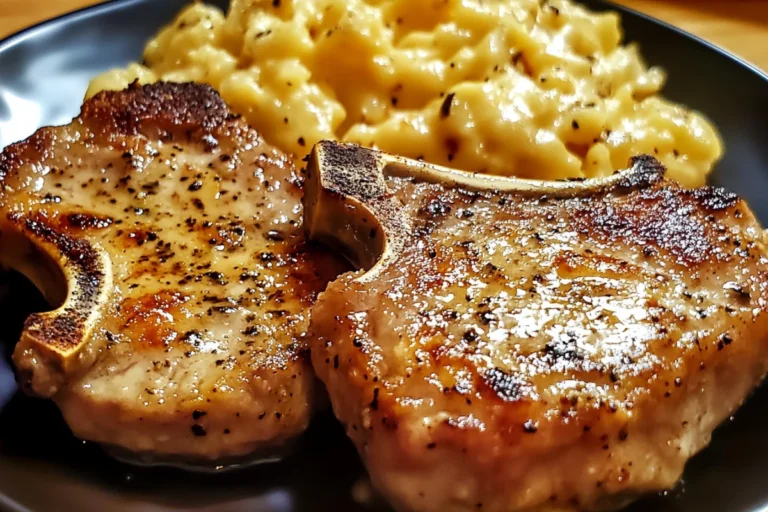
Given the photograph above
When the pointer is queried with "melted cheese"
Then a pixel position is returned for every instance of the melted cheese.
(512, 87)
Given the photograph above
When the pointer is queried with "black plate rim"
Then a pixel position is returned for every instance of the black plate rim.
(109, 6)
(79, 14)
(754, 68)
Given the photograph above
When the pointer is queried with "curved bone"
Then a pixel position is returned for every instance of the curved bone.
(531, 349)
(197, 314)
(73, 275)
(347, 203)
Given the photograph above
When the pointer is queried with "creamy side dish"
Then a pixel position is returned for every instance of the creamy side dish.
(514, 87)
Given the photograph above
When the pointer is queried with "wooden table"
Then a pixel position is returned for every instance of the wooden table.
(740, 26)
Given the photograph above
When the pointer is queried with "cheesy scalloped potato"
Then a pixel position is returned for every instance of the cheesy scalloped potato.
(517, 87)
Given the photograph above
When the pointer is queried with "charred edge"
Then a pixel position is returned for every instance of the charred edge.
(663, 217)
(351, 170)
(714, 198)
(65, 330)
(87, 221)
(508, 387)
(563, 350)
(436, 207)
(164, 104)
(13, 156)
(645, 172)
(9, 160)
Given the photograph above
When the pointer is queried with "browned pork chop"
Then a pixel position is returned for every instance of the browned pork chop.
(170, 236)
(524, 346)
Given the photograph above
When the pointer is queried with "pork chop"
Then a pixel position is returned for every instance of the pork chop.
(529, 346)
(168, 236)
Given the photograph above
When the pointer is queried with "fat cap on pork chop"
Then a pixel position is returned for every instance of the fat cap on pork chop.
(530, 346)
(167, 236)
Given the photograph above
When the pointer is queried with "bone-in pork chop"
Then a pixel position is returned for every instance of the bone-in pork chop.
(168, 235)
(528, 346)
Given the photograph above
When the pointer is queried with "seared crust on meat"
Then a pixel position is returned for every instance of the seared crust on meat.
(168, 237)
(60, 339)
(534, 350)
(166, 106)
(173, 107)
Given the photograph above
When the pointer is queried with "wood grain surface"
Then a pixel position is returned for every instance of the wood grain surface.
(741, 26)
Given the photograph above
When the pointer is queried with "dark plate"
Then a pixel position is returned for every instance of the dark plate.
(44, 72)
